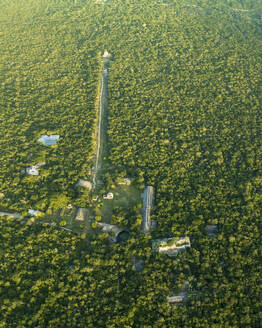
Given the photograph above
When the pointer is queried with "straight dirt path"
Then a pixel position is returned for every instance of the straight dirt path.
(12, 215)
(101, 126)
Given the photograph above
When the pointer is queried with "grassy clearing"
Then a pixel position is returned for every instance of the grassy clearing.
(124, 196)
(68, 215)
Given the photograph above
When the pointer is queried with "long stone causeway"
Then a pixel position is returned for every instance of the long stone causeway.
(101, 125)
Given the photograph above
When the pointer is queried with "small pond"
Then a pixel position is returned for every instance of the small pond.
(49, 140)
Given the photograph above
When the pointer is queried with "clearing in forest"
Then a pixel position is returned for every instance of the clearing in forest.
(124, 196)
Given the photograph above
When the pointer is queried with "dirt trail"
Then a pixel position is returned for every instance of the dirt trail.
(12, 215)
(101, 126)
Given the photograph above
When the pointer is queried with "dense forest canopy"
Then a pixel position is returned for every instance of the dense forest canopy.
(184, 94)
